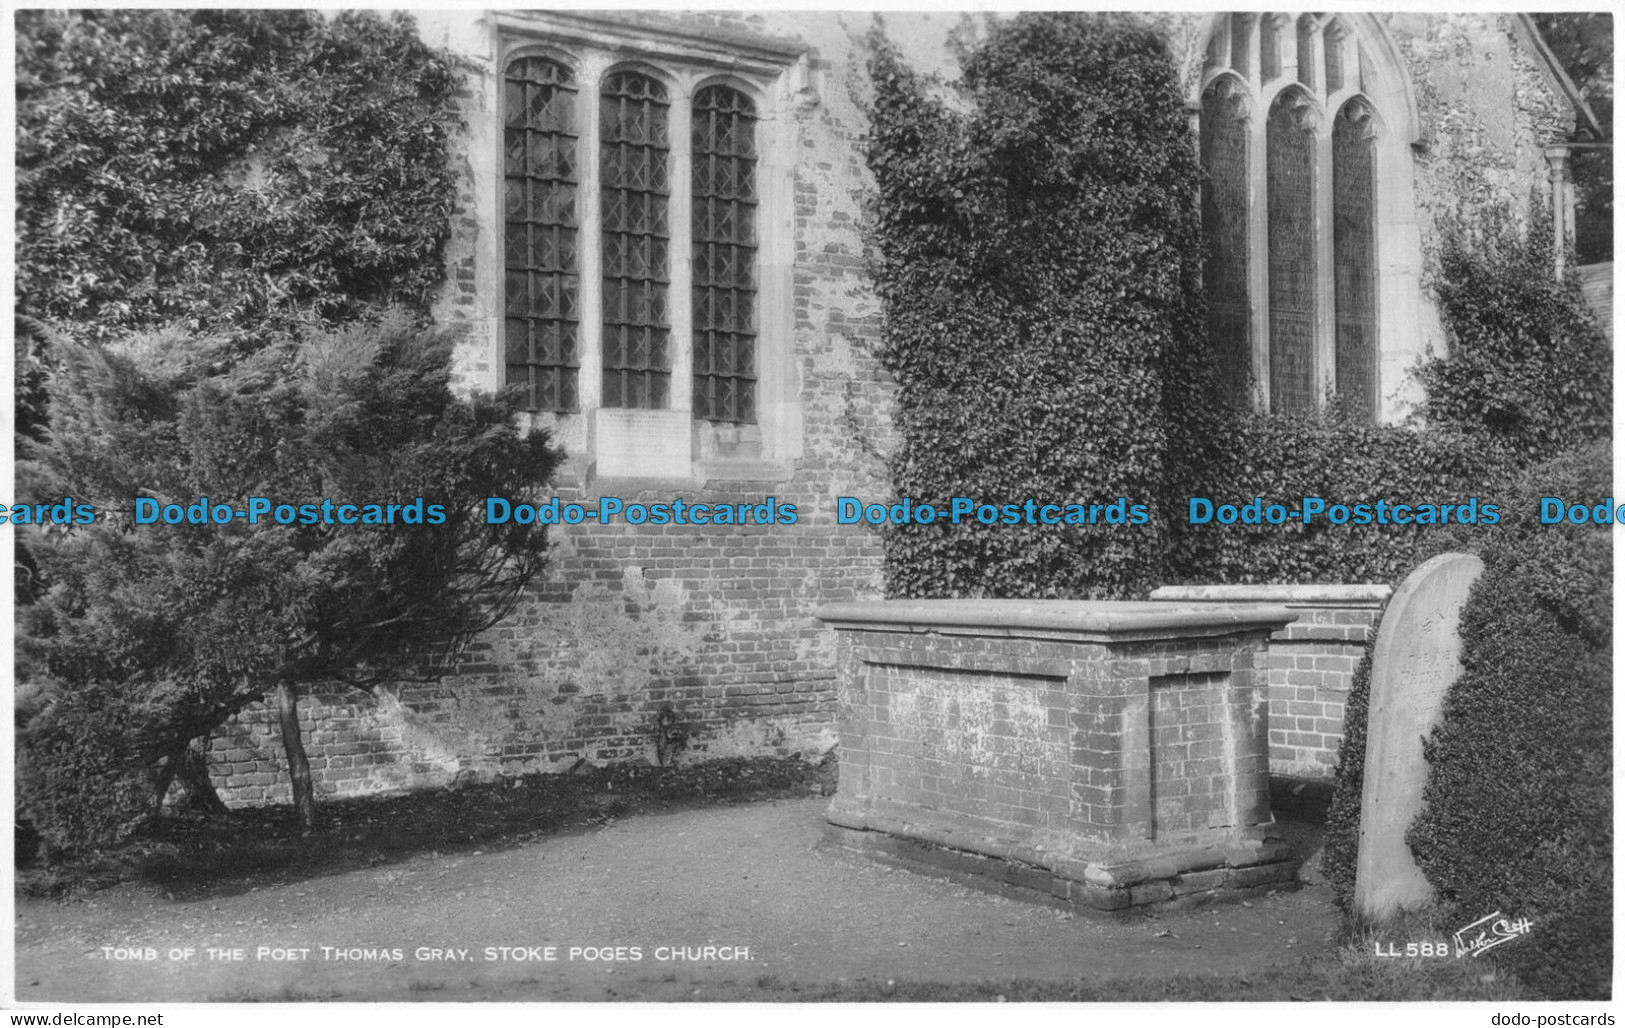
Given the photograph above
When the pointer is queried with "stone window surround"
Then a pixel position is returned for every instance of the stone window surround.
(1400, 337)
(675, 450)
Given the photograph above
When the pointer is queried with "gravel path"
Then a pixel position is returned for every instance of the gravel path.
(755, 881)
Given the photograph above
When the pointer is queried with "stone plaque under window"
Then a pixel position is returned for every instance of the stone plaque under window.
(643, 443)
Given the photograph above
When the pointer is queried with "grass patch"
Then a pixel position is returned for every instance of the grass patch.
(191, 855)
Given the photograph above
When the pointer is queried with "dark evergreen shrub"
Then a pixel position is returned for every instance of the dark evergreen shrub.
(1527, 374)
(149, 635)
(232, 182)
(1519, 814)
(1519, 804)
(1340, 845)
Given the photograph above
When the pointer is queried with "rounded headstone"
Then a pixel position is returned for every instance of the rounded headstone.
(1416, 659)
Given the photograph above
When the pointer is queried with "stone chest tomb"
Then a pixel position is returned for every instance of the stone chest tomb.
(1109, 754)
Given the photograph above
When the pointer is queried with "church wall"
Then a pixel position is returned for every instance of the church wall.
(716, 622)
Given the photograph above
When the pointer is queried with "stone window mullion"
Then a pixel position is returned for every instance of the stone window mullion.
(1334, 64)
(1258, 266)
(1325, 351)
(1306, 61)
(592, 352)
(682, 263)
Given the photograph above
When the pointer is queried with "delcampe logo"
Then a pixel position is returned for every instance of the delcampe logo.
(1489, 932)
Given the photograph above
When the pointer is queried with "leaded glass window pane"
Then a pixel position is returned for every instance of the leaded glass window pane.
(1289, 159)
(1241, 31)
(1354, 256)
(1306, 51)
(541, 283)
(634, 196)
(724, 220)
(1269, 47)
(1224, 227)
(1334, 58)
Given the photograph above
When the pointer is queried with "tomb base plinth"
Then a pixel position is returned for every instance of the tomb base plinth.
(1115, 753)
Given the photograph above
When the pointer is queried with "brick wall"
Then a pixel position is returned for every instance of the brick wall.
(1310, 663)
(1193, 778)
(714, 622)
(1311, 666)
(972, 742)
(718, 623)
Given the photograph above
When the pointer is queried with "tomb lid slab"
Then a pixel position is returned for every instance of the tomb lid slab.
(1079, 620)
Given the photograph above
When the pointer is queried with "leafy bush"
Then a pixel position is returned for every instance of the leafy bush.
(1040, 274)
(1341, 459)
(1528, 368)
(1528, 374)
(1519, 798)
(1038, 256)
(1340, 845)
(147, 636)
(197, 191)
(223, 168)
(1519, 810)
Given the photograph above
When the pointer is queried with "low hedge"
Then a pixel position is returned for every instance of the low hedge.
(1342, 459)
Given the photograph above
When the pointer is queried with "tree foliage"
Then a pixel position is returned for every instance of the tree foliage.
(204, 197)
(149, 635)
(227, 168)
(1039, 270)
(1583, 42)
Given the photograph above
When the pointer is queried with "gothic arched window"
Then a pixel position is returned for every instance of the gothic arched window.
(1224, 224)
(1354, 256)
(1289, 188)
(1289, 210)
